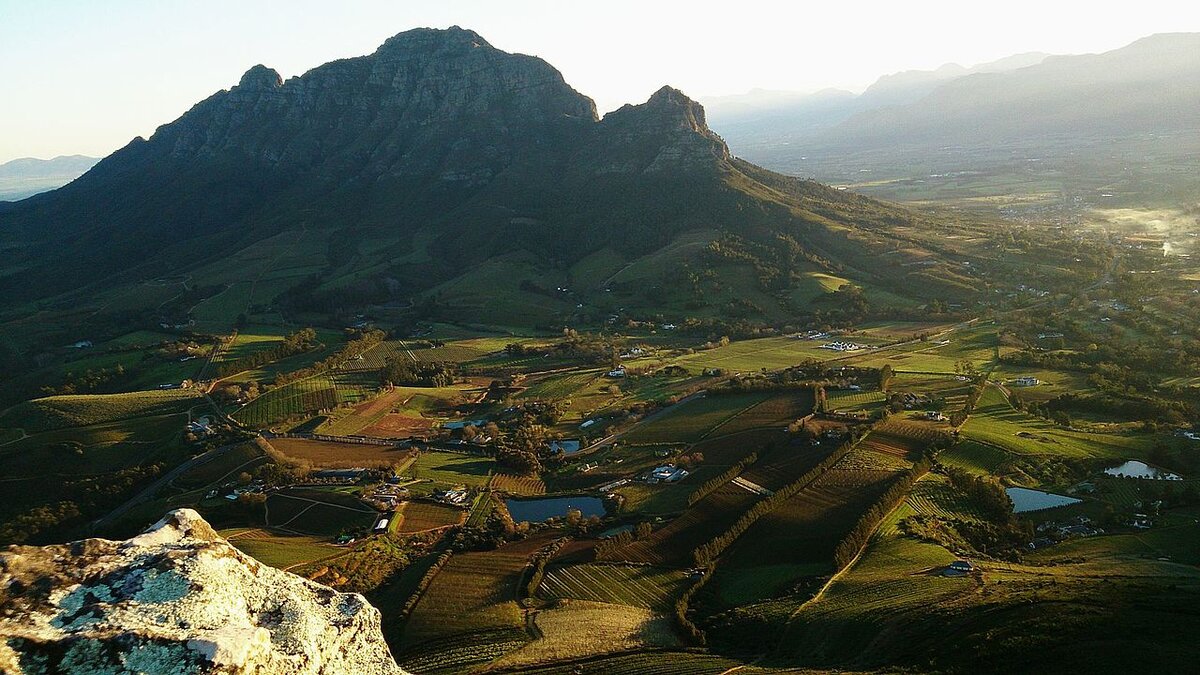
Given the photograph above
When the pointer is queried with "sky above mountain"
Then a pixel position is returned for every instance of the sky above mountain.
(85, 77)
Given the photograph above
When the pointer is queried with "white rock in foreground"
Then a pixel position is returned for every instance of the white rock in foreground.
(177, 599)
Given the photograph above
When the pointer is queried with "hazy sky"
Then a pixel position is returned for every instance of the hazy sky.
(86, 76)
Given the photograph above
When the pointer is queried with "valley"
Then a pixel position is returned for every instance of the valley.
(562, 393)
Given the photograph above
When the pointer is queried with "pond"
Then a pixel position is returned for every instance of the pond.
(543, 508)
(1136, 469)
(1025, 500)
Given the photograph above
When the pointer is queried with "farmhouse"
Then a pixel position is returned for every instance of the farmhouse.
(619, 371)
(1025, 382)
(668, 473)
(587, 424)
(958, 568)
(82, 344)
(381, 526)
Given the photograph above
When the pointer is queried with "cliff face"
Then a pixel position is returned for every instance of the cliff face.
(177, 599)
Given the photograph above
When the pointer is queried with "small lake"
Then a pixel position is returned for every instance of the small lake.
(1136, 469)
(543, 508)
(1025, 500)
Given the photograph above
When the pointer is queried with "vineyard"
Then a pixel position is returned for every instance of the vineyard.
(609, 628)
(473, 592)
(854, 400)
(421, 516)
(673, 543)
(519, 485)
(651, 663)
(695, 419)
(332, 454)
(634, 585)
(58, 412)
(775, 412)
(294, 400)
(457, 653)
(934, 496)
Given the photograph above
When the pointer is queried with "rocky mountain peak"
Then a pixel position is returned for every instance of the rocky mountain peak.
(425, 39)
(667, 132)
(260, 78)
(176, 599)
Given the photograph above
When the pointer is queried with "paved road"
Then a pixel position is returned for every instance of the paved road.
(148, 493)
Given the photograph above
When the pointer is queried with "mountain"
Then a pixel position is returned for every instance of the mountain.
(177, 599)
(1150, 86)
(21, 178)
(761, 117)
(1092, 118)
(442, 172)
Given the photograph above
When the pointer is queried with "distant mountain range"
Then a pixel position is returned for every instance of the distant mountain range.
(442, 170)
(28, 176)
(1150, 88)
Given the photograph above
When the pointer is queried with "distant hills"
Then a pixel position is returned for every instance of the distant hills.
(442, 172)
(1147, 90)
(21, 178)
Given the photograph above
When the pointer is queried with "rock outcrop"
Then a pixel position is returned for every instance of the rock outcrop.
(177, 599)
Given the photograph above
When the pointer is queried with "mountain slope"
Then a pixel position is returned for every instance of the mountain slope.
(393, 178)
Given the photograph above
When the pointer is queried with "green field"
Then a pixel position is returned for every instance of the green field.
(694, 419)
(58, 412)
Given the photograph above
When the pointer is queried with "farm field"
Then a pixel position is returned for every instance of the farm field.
(995, 422)
(300, 398)
(672, 544)
(59, 412)
(518, 485)
(317, 512)
(609, 628)
(650, 663)
(651, 588)
(474, 592)
(797, 539)
(279, 550)
(416, 516)
(452, 469)
(331, 454)
(774, 412)
(694, 419)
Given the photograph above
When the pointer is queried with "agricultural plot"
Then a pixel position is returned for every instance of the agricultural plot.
(785, 463)
(798, 538)
(609, 628)
(59, 412)
(975, 457)
(421, 516)
(317, 512)
(280, 550)
(559, 386)
(846, 400)
(775, 412)
(652, 588)
(297, 399)
(459, 653)
(331, 454)
(934, 496)
(995, 422)
(672, 544)
(519, 485)
(894, 580)
(694, 419)
(473, 592)
(646, 663)
(452, 469)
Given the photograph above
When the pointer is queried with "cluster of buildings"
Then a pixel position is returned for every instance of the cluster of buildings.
(389, 495)
(201, 427)
(1052, 532)
(840, 346)
(457, 497)
(667, 473)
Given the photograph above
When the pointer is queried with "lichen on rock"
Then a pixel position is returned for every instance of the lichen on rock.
(177, 599)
